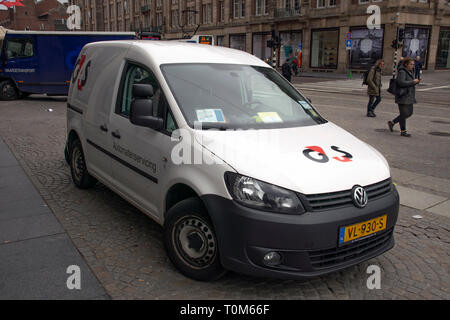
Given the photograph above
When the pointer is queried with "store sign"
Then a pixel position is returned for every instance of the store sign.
(348, 44)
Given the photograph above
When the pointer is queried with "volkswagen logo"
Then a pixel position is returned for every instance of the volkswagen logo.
(359, 196)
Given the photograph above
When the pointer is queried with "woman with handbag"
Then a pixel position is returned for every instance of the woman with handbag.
(405, 96)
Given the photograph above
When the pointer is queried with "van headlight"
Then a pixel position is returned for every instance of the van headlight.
(261, 195)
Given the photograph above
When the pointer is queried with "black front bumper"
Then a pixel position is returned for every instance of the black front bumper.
(308, 243)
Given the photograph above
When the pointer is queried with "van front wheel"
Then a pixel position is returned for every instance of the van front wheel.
(80, 176)
(191, 242)
(8, 90)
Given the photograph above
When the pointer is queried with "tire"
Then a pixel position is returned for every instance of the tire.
(78, 169)
(8, 91)
(191, 242)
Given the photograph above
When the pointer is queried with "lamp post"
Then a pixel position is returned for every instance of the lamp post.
(183, 35)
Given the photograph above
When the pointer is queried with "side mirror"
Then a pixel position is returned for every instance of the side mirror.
(307, 98)
(141, 114)
(141, 108)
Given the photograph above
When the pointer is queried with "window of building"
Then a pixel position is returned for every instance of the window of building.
(266, 7)
(416, 43)
(259, 47)
(221, 11)
(291, 41)
(320, 3)
(324, 48)
(220, 41)
(237, 41)
(239, 9)
(136, 6)
(258, 7)
(209, 13)
(332, 3)
(119, 9)
(236, 4)
(443, 52)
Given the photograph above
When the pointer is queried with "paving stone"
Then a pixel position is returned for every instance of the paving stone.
(417, 199)
(442, 208)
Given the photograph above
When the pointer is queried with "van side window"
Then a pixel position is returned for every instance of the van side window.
(19, 48)
(136, 74)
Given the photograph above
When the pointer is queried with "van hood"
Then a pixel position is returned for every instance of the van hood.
(313, 159)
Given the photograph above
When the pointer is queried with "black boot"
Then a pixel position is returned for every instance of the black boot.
(391, 126)
(405, 134)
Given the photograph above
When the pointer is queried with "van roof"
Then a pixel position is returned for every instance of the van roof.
(165, 52)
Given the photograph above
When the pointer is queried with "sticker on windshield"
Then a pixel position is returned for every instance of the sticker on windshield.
(210, 115)
(305, 104)
(269, 117)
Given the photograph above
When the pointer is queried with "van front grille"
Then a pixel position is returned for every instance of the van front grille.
(326, 201)
(332, 257)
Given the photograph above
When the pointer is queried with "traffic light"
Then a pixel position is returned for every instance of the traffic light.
(275, 42)
(394, 44)
(400, 34)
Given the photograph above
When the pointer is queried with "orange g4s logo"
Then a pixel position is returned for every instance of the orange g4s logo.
(317, 154)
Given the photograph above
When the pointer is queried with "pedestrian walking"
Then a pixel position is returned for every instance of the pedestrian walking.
(286, 70)
(418, 65)
(405, 96)
(374, 87)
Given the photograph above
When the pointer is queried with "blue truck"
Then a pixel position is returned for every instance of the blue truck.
(41, 62)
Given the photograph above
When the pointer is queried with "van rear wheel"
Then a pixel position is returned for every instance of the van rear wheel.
(78, 169)
(191, 242)
(8, 90)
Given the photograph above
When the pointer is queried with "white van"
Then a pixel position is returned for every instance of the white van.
(237, 166)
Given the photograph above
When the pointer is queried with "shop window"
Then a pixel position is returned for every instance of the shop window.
(237, 42)
(443, 52)
(416, 43)
(324, 49)
(367, 47)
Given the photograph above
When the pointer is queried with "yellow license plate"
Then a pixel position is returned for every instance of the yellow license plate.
(362, 229)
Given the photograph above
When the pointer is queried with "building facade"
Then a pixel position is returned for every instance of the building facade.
(49, 15)
(313, 31)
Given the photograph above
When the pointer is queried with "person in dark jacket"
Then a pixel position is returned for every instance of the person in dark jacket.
(286, 70)
(418, 65)
(406, 95)
(374, 87)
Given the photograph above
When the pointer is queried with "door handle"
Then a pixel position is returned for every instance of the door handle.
(116, 134)
(103, 128)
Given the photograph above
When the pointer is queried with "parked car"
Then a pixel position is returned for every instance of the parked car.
(239, 168)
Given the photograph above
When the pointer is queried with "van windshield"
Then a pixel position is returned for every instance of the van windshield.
(230, 96)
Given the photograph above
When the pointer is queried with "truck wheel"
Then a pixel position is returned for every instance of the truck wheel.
(8, 90)
(78, 169)
(191, 242)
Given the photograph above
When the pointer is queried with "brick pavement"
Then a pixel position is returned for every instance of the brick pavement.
(124, 247)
